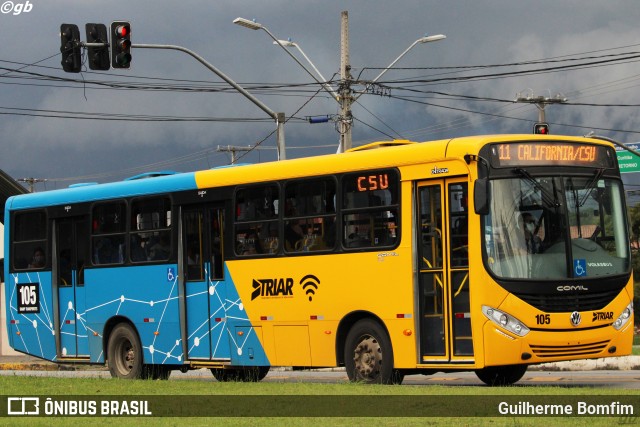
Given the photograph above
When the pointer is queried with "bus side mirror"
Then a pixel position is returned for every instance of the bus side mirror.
(481, 196)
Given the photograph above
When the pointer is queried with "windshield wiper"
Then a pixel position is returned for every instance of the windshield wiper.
(548, 200)
(590, 186)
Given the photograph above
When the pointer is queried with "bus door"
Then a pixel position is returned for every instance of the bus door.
(443, 271)
(206, 333)
(71, 254)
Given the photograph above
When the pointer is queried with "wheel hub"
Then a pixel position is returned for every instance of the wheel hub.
(368, 358)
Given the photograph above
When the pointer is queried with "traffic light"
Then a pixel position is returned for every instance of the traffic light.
(120, 44)
(98, 57)
(70, 48)
(541, 128)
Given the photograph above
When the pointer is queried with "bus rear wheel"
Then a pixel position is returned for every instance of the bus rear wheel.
(124, 353)
(368, 356)
(250, 374)
(501, 375)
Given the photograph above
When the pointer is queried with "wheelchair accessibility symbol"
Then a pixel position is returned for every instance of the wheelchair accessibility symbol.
(171, 274)
(580, 267)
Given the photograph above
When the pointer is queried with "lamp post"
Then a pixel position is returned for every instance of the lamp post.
(253, 25)
(344, 98)
(425, 39)
(322, 81)
(348, 100)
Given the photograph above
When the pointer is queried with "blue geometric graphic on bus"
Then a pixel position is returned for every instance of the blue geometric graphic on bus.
(34, 331)
(144, 297)
(216, 323)
(579, 267)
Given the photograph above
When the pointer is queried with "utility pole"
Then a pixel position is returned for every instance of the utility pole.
(31, 182)
(541, 102)
(231, 149)
(345, 92)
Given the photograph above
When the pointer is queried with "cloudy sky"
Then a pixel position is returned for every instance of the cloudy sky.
(585, 50)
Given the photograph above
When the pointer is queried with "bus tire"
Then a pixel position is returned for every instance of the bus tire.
(368, 355)
(124, 353)
(501, 375)
(250, 374)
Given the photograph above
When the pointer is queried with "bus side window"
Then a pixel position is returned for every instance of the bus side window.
(370, 209)
(108, 230)
(256, 220)
(30, 241)
(309, 214)
(150, 237)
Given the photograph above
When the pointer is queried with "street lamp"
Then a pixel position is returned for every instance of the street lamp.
(289, 43)
(345, 143)
(253, 25)
(421, 40)
(278, 116)
(346, 100)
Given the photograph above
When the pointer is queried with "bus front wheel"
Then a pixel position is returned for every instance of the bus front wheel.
(501, 375)
(368, 356)
(124, 353)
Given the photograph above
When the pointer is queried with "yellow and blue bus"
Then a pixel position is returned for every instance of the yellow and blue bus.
(484, 254)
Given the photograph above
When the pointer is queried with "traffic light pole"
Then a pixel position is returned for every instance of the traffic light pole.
(278, 117)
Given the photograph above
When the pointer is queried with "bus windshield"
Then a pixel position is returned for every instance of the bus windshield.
(556, 228)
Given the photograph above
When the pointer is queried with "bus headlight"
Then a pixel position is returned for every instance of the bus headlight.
(505, 321)
(622, 320)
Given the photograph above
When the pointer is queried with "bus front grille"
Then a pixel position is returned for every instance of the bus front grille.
(553, 303)
(546, 351)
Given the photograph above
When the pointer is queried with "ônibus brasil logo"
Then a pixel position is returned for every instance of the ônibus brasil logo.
(283, 287)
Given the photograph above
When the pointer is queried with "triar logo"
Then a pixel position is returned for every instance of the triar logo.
(272, 288)
(283, 288)
(602, 315)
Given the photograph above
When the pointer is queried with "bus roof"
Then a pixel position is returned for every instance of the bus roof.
(160, 184)
(371, 156)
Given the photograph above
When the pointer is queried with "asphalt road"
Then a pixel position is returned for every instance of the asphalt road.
(623, 379)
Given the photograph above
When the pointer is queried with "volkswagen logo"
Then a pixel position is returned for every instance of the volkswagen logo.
(575, 318)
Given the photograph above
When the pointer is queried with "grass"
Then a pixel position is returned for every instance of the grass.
(347, 392)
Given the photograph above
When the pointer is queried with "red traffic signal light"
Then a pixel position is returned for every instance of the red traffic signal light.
(120, 44)
(70, 48)
(541, 128)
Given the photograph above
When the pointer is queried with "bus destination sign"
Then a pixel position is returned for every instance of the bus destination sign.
(550, 153)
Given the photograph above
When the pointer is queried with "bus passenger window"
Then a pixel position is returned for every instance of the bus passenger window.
(29, 241)
(310, 215)
(108, 244)
(371, 209)
(256, 220)
(150, 236)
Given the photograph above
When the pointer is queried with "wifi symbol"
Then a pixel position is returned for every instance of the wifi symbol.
(310, 285)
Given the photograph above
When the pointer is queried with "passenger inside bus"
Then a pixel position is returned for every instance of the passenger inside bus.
(293, 233)
(37, 260)
(528, 225)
